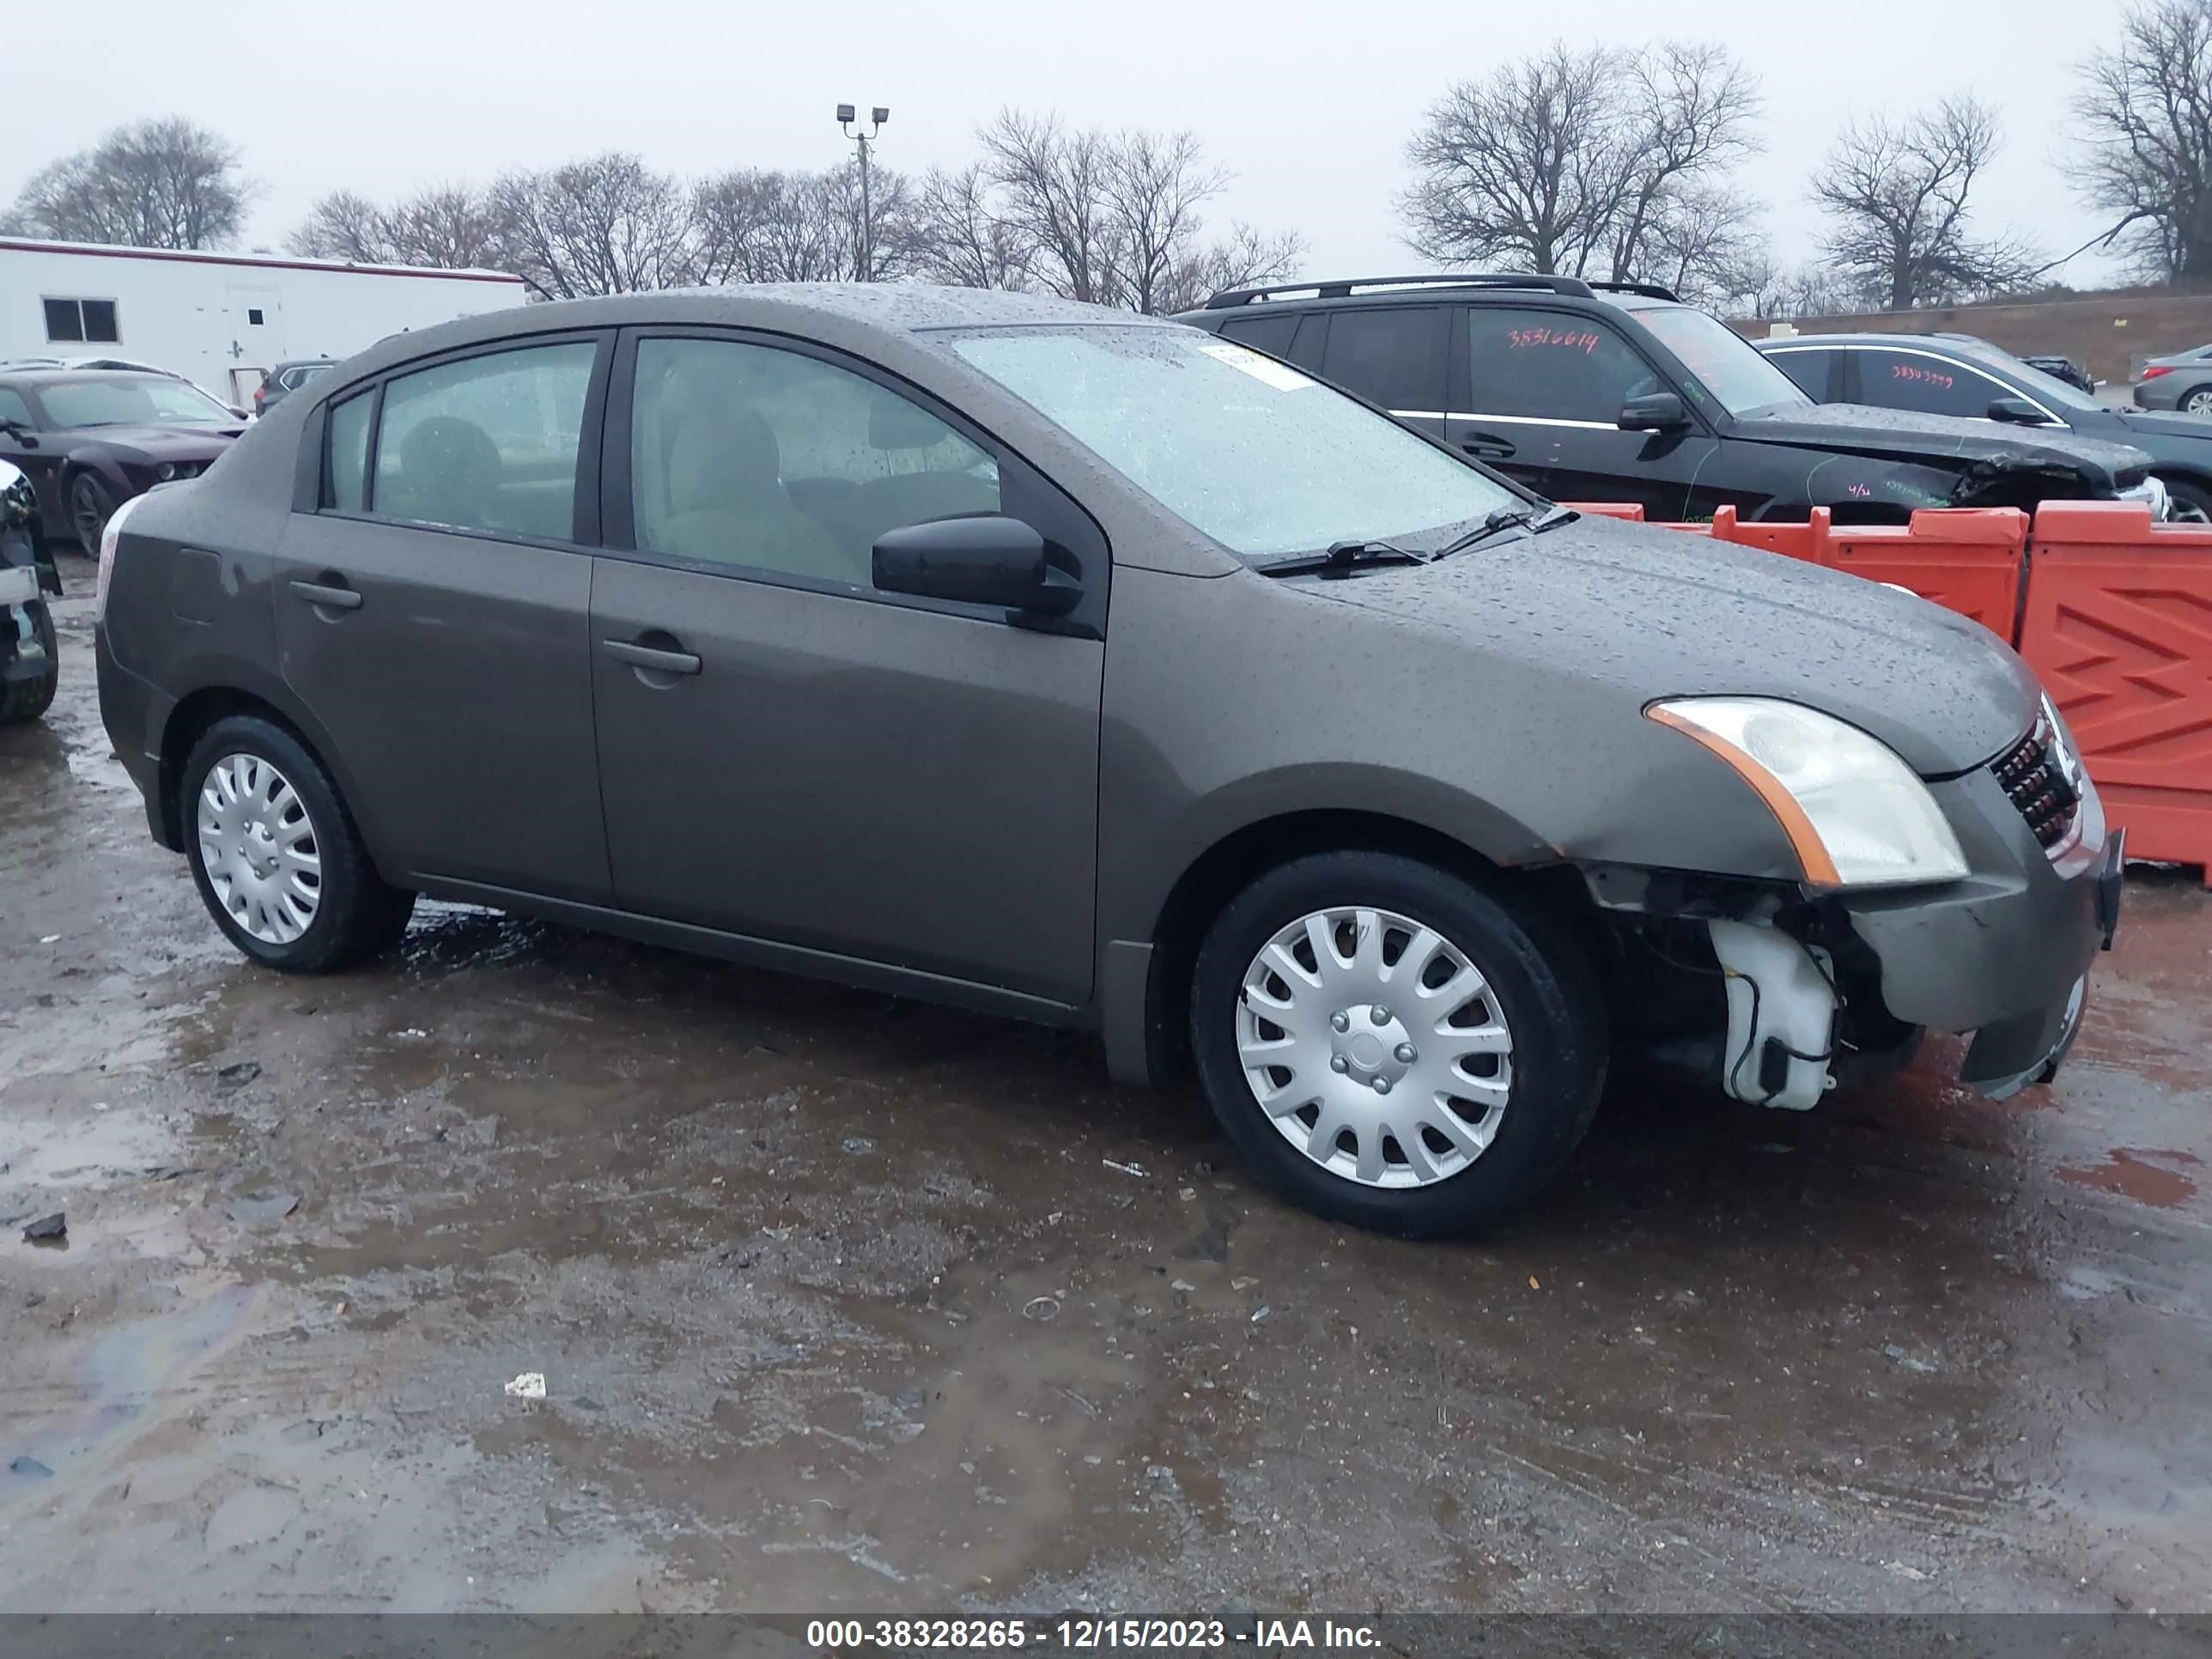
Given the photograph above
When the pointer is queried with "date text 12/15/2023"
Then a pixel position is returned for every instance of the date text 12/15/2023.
(1089, 1632)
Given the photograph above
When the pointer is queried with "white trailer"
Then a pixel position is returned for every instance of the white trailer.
(222, 320)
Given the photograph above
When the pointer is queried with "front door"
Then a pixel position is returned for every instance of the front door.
(1542, 399)
(432, 617)
(787, 754)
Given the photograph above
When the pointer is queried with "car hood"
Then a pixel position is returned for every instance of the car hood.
(182, 442)
(2157, 424)
(1908, 435)
(1659, 613)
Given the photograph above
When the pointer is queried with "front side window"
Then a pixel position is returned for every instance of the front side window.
(1725, 369)
(486, 443)
(1552, 366)
(752, 456)
(115, 398)
(13, 408)
(1254, 454)
(1808, 371)
(1934, 385)
(1392, 356)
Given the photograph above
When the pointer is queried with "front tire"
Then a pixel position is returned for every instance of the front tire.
(1393, 1047)
(28, 699)
(91, 505)
(275, 855)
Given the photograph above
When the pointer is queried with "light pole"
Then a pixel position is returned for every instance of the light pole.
(877, 116)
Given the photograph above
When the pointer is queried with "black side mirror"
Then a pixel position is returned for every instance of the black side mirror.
(1661, 411)
(2016, 410)
(986, 559)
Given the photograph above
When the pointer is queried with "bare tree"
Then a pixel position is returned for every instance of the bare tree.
(1154, 185)
(1053, 195)
(1568, 162)
(2143, 121)
(451, 227)
(961, 237)
(167, 183)
(1704, 242)
(758, 226)
(1896, 192)
(1247, 257)
(608, 225)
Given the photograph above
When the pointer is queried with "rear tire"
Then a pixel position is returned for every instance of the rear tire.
(275, 855)
(1454, 1042)
(28, 699)
(2197, 400)
(91, 505)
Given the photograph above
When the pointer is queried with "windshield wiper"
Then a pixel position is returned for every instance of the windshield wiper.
(1342, 558)
(1509, 517)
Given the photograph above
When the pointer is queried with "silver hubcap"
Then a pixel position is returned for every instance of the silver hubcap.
(258, 846)
(2198, 402)
(1375, 1047)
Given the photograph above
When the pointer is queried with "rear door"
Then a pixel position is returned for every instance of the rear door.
(1544, 394)
(433, 613)
(1394, 357)
(786, 753)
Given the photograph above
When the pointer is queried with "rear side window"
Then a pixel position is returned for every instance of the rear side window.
(1392, 356)
(346, 476)
(1270, 334)
(1809, 370)
(488, 443)
(1934, 385)
(1551, 365)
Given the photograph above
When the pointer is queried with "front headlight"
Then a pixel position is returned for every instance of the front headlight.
(166, 471)
(1854, 812)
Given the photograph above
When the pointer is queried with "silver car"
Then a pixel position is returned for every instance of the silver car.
(2181, 381)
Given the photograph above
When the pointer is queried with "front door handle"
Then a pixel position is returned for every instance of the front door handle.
(647, 656)
(1488, 446)
(336, 597)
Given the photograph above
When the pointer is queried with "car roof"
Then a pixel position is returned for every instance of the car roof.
(38, 377)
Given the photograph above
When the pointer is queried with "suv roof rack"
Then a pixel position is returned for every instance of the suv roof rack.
(1229, 298)
(1573, 286)
(1648, 290)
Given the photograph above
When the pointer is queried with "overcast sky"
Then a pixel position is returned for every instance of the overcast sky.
(1310, 104)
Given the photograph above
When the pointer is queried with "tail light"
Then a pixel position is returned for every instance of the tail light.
(2157, 369)
(259, 392)
(109, 540)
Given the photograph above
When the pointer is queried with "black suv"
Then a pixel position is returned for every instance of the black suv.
(1618, 391)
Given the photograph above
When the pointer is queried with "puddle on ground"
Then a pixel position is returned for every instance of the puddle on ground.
(2140, 1173)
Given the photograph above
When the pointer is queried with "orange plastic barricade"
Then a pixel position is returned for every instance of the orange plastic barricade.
(2118, 627)
(1966, 559)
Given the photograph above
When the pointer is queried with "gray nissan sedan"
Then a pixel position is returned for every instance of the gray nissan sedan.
(1087, 668)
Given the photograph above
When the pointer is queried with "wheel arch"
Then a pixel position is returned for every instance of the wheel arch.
(246, 692)
(1144, 992)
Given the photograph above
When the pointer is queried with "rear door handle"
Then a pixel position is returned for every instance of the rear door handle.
(645, 656)
(336, 598)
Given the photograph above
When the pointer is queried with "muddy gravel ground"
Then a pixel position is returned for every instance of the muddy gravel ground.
(842, 1302)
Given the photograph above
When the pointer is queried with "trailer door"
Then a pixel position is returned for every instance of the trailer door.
(256, 339)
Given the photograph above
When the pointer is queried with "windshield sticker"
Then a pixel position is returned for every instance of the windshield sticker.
(1523, 338)
(1280, 376)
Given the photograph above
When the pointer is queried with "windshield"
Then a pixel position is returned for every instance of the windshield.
(1724, 365)
(1248, 451)
(127, 400)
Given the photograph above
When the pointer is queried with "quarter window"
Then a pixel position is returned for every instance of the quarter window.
(1934, 385)
(751, 456)
(348, 475)
(486, 443)
(71, 320)
(1551, 365)
(1392, 356)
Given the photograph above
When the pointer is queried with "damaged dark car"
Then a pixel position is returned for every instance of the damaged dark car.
(28, 664)
(1614, 391)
